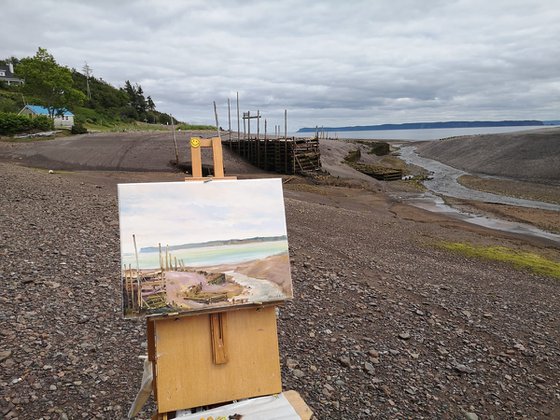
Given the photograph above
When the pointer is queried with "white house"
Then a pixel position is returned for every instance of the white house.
(7, 75)
(62, 118)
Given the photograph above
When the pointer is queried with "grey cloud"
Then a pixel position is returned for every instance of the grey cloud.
(327, 62)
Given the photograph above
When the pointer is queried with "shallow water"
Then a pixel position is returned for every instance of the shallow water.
(433, 203)
(444, 182)
(257, 290)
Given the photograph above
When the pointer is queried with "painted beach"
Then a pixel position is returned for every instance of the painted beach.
(226, 247)
(206, 277)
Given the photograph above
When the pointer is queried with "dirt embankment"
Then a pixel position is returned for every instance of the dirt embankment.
(526, 155)
(135, 151)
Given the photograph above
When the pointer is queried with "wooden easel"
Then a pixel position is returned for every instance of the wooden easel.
(217, 356)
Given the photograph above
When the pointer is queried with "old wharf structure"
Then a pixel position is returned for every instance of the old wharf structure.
(277, 153)
(288, 155)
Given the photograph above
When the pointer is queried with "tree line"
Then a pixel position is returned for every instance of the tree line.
(91, 99)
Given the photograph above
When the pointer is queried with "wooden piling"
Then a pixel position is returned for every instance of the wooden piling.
(175, 141)
(288, 156)
(229, 121)
(238, 127)
(217, 123)
(286, 141)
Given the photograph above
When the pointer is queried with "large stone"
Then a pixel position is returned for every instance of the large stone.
(4, 354)
(344, 361)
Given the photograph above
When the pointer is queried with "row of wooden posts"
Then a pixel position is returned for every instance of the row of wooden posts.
(247, 117)
(134, 279)
(282, 154)
(169, 262)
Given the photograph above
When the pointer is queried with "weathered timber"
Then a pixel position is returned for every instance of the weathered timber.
(287, 156)
(378, 172)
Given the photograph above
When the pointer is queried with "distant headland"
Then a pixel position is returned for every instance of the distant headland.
(431, 125)
(217, 243)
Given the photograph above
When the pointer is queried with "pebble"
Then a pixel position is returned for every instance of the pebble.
(291, 363)
(404, 335)
(344, 361)
(464, 369)
(373, 353)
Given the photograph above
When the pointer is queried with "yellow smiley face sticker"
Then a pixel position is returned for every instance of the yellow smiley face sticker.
(195, 142)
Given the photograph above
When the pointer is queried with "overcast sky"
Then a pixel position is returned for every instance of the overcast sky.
(176, 213)
(327, 62)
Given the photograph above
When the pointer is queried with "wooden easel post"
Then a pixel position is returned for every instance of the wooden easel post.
(196, 157)
(218, 322)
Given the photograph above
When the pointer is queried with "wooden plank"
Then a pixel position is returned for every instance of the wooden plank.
(196, 162)
(218, 157)
(295, 400)
(205, 142)
(218, 329)
(186, 375)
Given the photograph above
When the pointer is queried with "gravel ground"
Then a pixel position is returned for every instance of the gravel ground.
(383, 324)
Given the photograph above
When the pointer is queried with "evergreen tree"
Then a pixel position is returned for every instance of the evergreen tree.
(140, 101)
(150, 104)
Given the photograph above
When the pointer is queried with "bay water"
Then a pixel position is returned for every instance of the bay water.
(211, 255)
(422, 134)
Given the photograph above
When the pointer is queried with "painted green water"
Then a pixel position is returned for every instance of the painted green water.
(213, 255)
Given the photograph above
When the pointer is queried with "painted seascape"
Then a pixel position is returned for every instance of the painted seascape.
(192, 246)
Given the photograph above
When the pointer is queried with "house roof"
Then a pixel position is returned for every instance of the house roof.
(8, 74)
(41, 110)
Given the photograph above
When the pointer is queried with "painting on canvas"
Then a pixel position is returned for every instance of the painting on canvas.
(191, 246)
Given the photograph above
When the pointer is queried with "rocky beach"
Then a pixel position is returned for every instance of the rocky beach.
(386, 322)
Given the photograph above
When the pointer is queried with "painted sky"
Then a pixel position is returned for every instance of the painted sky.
(328, 62)
(176, 213)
